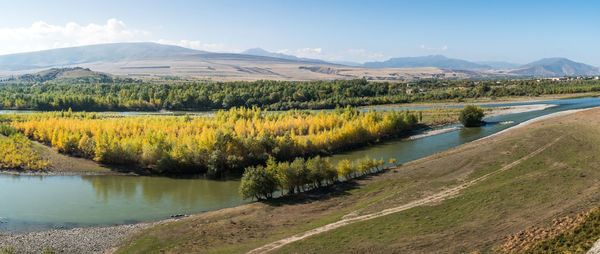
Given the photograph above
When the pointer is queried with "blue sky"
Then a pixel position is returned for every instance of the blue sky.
(515, 31)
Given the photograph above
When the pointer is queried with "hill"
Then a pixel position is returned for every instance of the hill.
(499, 65)
(157, 61)
(67, 75)
(555, 67)
(438, 61)
(113, 52)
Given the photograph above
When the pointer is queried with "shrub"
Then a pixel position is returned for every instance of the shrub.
(7, 250)
(471, 116)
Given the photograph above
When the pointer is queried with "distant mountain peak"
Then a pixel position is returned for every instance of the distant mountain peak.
(439, 61)
(556, 66)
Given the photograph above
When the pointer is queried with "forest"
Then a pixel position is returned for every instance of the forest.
(271, 95)
(16, 151)
(227, 142)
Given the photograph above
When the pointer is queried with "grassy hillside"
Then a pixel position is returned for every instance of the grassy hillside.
(558, 181)
(74, 75)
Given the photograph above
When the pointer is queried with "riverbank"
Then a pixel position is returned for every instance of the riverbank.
(444, 128)
(517, 109)
(487, 101)
(77, 240)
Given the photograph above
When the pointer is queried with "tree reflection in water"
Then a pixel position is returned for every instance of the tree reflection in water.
(187, 193)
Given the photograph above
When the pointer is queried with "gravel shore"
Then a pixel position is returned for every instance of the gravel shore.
(77, 240)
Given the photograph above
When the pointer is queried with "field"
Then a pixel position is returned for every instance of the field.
(553, 182)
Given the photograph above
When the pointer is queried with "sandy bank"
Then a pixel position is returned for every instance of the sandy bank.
(517, 109)
(537, 119)
(494, 112)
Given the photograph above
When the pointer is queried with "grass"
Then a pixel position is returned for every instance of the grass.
(7, 250)
(578, 240)
(513, 195)
(61, 162)
(559, 181)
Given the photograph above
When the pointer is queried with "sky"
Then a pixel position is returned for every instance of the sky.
(334, 30)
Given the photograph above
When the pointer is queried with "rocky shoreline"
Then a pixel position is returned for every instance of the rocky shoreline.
(77, 240)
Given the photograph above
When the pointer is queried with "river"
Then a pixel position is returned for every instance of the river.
(33, 203)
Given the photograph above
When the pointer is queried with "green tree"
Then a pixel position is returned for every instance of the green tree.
(471, 116)
(346, 169)
(319, 169)
(258, 183)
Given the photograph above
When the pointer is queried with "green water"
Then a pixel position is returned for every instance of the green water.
(31, 203)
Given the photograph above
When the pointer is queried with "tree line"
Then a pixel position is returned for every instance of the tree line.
(261, 182)
(227, 142)
(271, 95)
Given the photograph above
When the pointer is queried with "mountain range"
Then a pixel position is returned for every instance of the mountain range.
(157, 60)
(262, 52)
(428, 61)
(556, 67)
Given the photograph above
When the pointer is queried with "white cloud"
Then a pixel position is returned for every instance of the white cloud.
(303, 52)
(41, 35)
(442, 48)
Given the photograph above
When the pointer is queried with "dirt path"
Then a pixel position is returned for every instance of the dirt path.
(595, 249)
(440, 196)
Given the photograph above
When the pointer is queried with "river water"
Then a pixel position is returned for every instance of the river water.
(32, 203)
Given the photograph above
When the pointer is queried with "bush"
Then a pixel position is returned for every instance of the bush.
(7, 250)
(7, 130)
(259, 183)
(471, 116)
